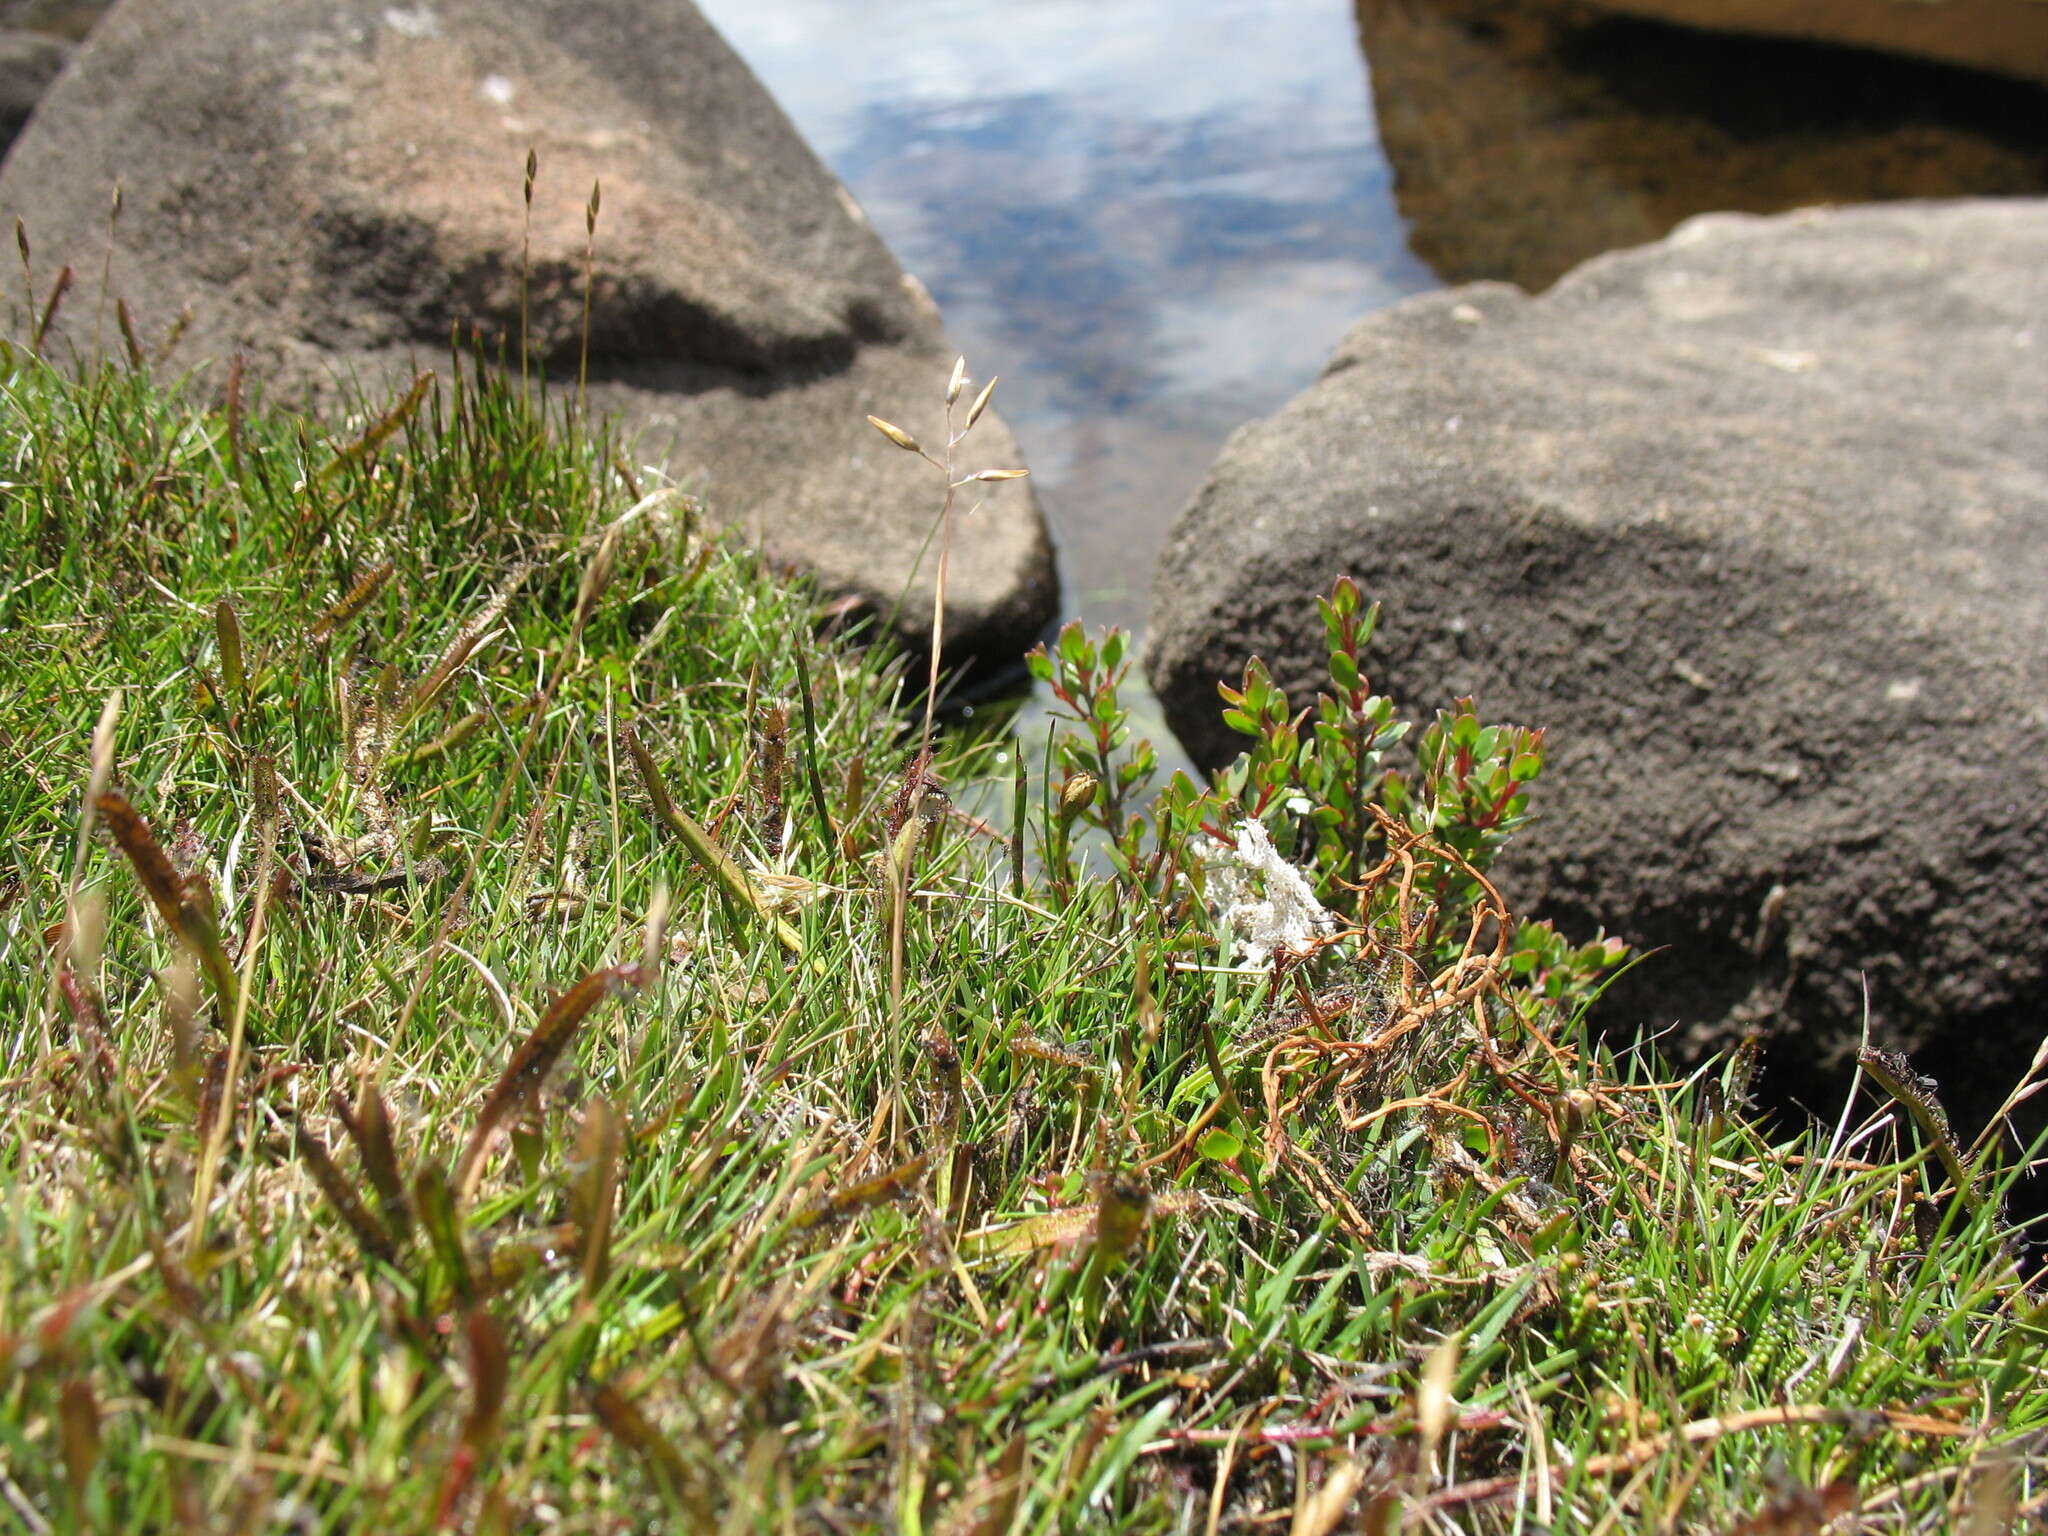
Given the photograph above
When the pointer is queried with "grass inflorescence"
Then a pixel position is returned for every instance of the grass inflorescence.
(508, 1028)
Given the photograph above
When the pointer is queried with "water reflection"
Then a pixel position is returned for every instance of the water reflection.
(1154, 221)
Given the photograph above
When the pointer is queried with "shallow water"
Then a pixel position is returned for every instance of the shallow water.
(1153, 218)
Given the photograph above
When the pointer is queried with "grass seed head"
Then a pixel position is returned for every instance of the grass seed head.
(895, 434)
(981, 401)
(1120, 1217)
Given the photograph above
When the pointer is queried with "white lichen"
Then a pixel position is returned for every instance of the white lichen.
(1266, 903)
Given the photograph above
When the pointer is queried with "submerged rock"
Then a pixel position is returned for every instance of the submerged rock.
(332, 187)
(2010, 36)
(1529, 135)
(1755, 521)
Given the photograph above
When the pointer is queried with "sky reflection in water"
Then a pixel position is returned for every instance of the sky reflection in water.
(1154, 218)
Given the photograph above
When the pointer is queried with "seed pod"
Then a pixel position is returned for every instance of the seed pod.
(1075, 794)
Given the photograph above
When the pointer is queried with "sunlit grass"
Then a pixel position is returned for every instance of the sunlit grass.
(549, 1145)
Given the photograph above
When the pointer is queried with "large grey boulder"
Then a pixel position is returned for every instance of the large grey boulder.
(330, 185)
(1755, 520)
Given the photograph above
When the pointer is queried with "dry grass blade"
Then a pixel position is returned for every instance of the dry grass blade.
(57, 291)
(461, 648)
(594, 1195)
(369, 1233)
(1326, 1508)
(534, 1060)
(622, 1418)
(1433, 1404)
(74, 950)
(137, 358)
(353, 602)
(1057, 1055)
(489, 1373)
(227, 631)
(893, 1185)
(819, 804)
(98, 777)
(369, 1127)
(380, 430)
(234, 413)
(1008, 1492)
(78, 1415)
(434, 1199)
(704, 848)
(1068, 1226)
(153, 868)
(1893, 1073)
(597, 576)
(180, 983)
(193, 925)
(1700, 1432)
(1991, 1496)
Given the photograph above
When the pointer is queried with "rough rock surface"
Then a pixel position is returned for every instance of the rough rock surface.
(331, 185)
(1529, 135)
(1755, 520)
(2010, 36)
